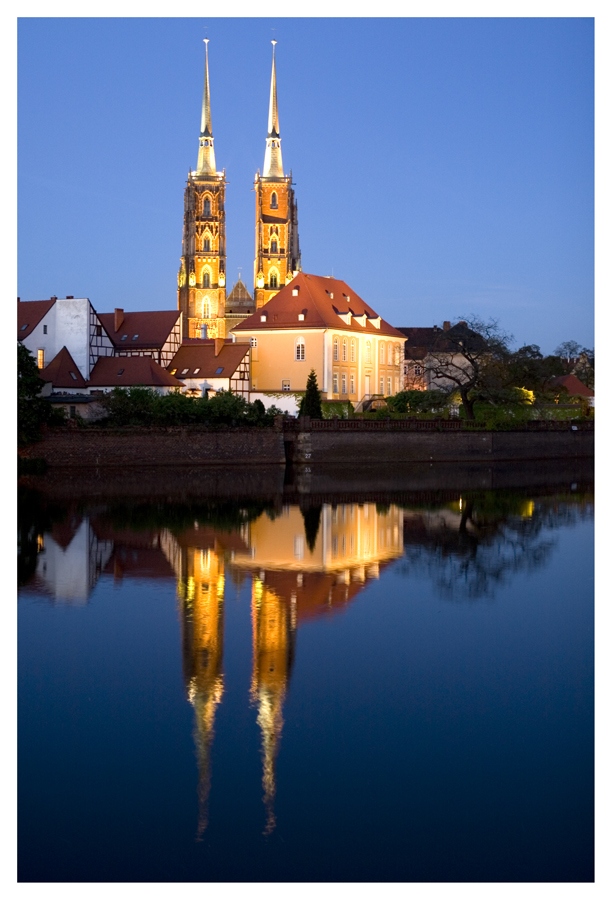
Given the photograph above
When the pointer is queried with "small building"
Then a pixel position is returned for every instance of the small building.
(131, 371)
(573, 386)
(213, 365)
(47, 326)
(238, 306)
(429, 351)
(320, 323)
(157, 334)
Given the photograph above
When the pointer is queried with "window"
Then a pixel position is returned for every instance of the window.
(301, 317)
(195, 371)
(274, 200)
(397, 355)
(273, 280)
(73, 412)
(300, 348)
(173, 371)
(298, 546)
(353, 349)
(124, 337)
(98, 331)
(368, 352)
(343, 383)
(273, 247)
(23, 327)
(73, 376)
(335, 383)
(389, 388)
(135, 337)
(206, 280)
(253, 342)
(44, 329)
(381, 385)
(206, 308)
(41, 359)
(389, 354)
(184, 372)
(352, 382)
(121, 371)
(219, 370)
(207, 244)
(344, 349)
(418, 370)
(206, 206)
(286, 385)
(381, 353)
(336, 356)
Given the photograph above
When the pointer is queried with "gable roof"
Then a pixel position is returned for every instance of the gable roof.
(140, 329)
(62, 371)
(200, 355)
(322, 301)
(421, 341)
(239, 299)
(29, 314)
(572, 385)
(130, 371)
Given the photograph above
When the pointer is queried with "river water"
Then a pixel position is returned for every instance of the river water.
(292, 684)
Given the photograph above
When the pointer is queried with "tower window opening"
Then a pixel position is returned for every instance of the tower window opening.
(273, 247)
(273, 280)
(206, 280)
(206, 206)
(274, 200)
(207, 244)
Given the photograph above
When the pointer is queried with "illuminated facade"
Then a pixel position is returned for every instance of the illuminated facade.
(201, 277)
(277, 249)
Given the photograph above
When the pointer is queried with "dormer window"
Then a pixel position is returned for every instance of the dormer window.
(264, 317)
(301, 317)
(296, 292)
(274, 200)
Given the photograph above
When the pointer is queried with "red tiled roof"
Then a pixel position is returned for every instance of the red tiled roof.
(573, 385)
(62, 371)
(200, 355)
(140, 329)
(29, 315)
(135, 370)
(321, 300)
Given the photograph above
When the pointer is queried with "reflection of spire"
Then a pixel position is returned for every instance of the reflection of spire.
(201, 590)
(273, 646)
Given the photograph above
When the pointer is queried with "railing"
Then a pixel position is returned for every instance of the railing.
(337, 424)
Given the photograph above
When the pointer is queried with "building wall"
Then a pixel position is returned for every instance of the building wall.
(286, 260)
(71, 323)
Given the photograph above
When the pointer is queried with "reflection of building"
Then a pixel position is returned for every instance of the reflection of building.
(273, 649)
(70, 560)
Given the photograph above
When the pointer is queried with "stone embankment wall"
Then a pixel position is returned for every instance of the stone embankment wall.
(197, 446)
(175, 446)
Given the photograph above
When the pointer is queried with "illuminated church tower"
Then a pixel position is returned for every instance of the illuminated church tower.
(274, 627)
(277, 250)
(201, 277)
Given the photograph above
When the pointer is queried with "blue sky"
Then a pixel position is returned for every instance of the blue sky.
(442, 167)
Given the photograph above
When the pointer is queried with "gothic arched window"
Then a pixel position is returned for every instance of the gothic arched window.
(274, 200)
(273, 246)
(206, 280)
(344, 351)
(207, 244)
(206, 206)
(273, 280)
(300, 348)
(368, 352)
(336, 353)
(206, 308)
(353, 353)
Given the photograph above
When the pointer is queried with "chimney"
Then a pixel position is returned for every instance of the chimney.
(18, 299)
(219, 345)
(118, 318)
(69, 296)
(446, 326)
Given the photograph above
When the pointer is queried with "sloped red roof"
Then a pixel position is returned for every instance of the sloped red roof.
(572, 385)
(140, 329)
(200, 355)
(130, 371)
(29, 314)
(320, 299)
(62, 371)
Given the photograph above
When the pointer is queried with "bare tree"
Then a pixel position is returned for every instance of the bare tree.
(463, 357)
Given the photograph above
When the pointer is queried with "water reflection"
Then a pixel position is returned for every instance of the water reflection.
(303, 562)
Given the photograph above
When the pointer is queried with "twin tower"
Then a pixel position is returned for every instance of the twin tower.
(202, 275)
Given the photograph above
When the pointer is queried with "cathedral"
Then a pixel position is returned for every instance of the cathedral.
(207, 312)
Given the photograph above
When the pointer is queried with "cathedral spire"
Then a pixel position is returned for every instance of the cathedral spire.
(273, 162)
(206, 152)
